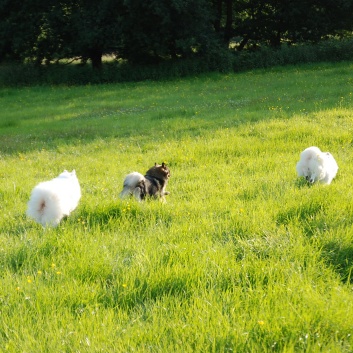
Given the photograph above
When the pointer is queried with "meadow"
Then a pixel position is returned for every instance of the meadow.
(243, 257)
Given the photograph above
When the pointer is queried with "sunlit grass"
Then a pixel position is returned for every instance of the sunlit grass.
(243, 257)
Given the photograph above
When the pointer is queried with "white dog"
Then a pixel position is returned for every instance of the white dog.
(54, 199)
(315, 165)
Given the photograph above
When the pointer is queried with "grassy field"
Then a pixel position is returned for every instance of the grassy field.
(243, 257)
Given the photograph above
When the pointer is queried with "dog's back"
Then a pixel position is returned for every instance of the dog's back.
(331, 167)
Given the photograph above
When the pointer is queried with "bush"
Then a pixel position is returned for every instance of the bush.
(330, 50)
(218, 59)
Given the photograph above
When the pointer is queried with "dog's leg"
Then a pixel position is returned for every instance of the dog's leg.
(164, 192)
(125, 193)
(137, 194)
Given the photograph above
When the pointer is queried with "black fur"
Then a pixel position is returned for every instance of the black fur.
(152, 184)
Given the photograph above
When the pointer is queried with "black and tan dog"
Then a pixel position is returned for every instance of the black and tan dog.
(153, 184)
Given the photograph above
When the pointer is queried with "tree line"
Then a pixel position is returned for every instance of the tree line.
(150, 31)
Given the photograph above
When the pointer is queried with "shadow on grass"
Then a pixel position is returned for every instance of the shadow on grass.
(86, 122)
(142, 292)
(340, 258)
(127, 212)
(43, 117)
(310, 217)
(28, 254)
(49, 139)
(304, 214)
(102, 216)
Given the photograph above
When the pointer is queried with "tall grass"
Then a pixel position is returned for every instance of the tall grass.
(243, 257)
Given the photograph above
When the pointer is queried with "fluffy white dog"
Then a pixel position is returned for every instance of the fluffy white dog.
(315, 165)
(52, 200)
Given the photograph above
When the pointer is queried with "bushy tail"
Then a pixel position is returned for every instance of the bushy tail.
(130, 183)
(45, 206)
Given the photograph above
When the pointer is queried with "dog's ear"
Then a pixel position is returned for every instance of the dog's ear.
(155, 164)
(163, 165)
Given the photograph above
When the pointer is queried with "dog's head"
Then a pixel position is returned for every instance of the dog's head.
(160, 171)
(66, 175)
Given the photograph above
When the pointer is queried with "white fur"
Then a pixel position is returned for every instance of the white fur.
(52, 200)
(130, 183)
(315, 165)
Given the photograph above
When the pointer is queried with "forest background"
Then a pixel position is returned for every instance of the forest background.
(129, 40)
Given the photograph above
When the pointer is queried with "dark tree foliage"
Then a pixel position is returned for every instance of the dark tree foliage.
(157, 29)
(148, 31)
(40, 30)
(276, 21)
(83, 28)
(93, 28)
(21, 24)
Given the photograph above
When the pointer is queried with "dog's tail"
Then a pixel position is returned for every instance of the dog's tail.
(45, 206)
(131, 181)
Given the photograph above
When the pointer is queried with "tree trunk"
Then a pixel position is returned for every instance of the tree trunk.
(217, 22)
(95, 56)
(228, 33)
(275, 41)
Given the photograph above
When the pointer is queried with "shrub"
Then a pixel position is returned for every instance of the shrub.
(217, 59)
(330, 50)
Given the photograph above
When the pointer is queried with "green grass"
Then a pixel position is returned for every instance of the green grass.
(243, 257)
